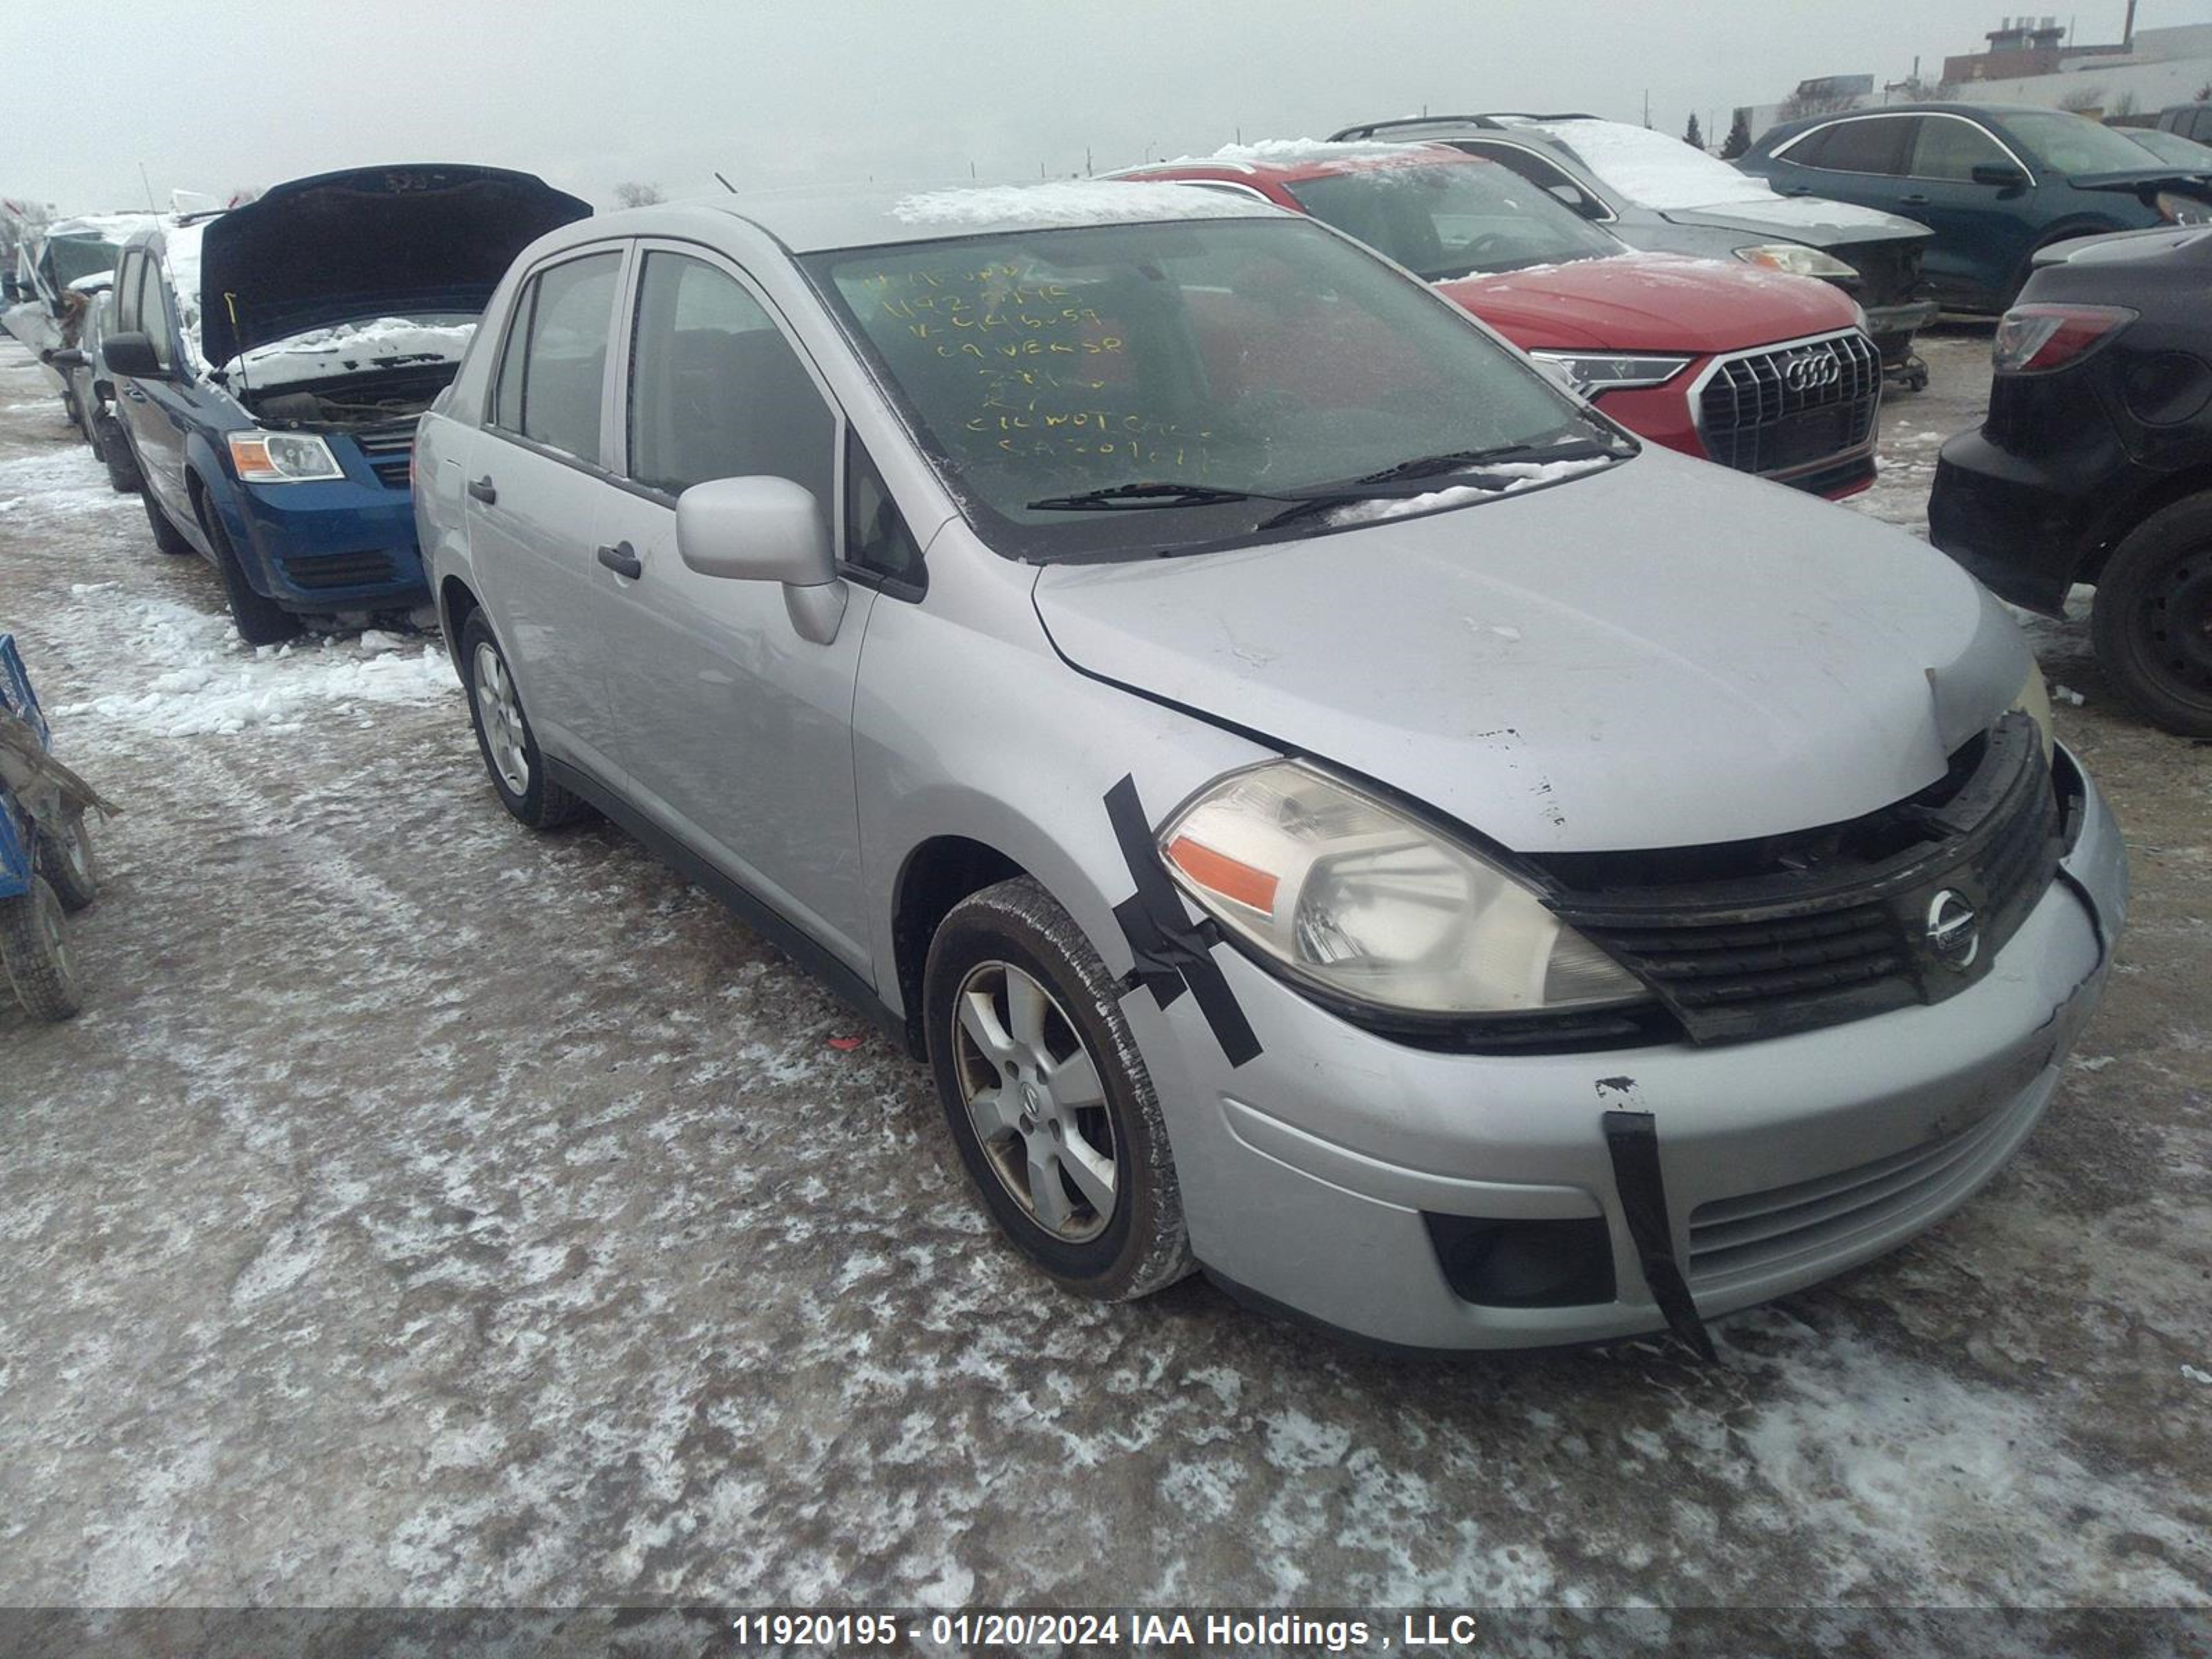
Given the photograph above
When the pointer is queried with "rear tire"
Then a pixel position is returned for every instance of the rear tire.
(34, 950)
(1046, 1098)
(66, 859)
(504, 739)
(166, 536)
(2152, 622)
(260, 620)
(115, 453)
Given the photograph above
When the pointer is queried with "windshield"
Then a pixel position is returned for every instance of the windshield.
(1445, 219)
(2172, 146)
(2073, 143)
(1654, 168)
(1257, 357)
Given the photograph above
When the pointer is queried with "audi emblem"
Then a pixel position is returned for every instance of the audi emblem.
(1954, 931)
(1812, 371)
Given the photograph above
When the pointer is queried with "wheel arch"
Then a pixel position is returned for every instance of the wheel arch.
(457, 602)
(2122, 521)
(936, 875)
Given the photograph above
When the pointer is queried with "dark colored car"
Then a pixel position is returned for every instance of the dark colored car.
(2172, 148)
(272, 362)
(1663, 196)
(2189, 120)
(2095, 463)
(1995, 183)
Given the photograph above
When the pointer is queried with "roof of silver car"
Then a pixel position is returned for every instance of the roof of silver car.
(816, 220)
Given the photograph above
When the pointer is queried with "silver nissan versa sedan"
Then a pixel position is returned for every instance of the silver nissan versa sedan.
(1330, 807)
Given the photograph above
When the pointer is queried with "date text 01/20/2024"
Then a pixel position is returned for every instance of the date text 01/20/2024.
(1164, 1630)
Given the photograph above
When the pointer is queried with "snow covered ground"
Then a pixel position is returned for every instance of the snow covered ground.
(424, 1213)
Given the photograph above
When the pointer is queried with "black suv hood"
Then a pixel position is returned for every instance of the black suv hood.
(370, 241)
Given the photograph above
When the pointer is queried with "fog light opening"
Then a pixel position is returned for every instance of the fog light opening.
(1524, 1264)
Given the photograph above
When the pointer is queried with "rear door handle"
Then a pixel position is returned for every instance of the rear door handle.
(1913, 201)
(483, 490)
(622, 559)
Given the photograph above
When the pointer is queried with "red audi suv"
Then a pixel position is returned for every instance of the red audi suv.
(1758, 370)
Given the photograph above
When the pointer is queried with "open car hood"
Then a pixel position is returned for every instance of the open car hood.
(1813, 220)
(1663, 654)
(370, 241)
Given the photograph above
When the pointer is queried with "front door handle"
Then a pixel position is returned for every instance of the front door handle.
(134, 394)
(482, 489)
(1913, 201)
(1798, 190)
(622, 559)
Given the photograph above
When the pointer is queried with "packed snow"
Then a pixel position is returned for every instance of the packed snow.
(1291, 152)
(348, 348)
(1085, 202)
(202, 681)
(1519, 476)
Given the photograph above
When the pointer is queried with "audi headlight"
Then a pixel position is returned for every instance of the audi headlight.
(1796, 259)
(1360, 900)
(281, 458)
(1603, 371)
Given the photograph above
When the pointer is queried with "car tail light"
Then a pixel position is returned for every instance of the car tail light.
(2035, 339)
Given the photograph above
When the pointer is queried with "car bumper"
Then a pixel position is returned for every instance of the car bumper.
(1893, 326)
(2022, 525)
(336, 546)
(1311, 1174)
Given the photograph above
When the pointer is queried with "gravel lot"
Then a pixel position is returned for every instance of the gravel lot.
(425, 1212)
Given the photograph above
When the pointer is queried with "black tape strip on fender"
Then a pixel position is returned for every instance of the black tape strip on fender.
(1171, 951)
(1633, 1139)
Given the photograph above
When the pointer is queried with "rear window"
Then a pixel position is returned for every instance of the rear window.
(553, 372)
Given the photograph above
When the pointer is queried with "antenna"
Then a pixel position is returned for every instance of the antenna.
(148, 183)
(726, 184)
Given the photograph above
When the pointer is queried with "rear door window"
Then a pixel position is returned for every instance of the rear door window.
(1949, 148)
(715, 391)
(1874, 145)
(553, 373)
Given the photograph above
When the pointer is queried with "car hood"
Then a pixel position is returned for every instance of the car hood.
(1813, 220)
(1651, 302)
(371, 242)
(1661, 654)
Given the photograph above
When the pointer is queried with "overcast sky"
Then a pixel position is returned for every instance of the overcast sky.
(777, 92)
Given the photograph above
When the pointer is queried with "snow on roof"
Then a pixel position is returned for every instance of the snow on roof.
(322, 354)
(1650, 168)
(116, 228)
(1293, 152)
(1079, 202)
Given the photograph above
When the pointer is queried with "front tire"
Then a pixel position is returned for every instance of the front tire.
(1047, 1099)
(259, 619)
(2152, 622)
(504, 739)
(34, 949)
(65, 859)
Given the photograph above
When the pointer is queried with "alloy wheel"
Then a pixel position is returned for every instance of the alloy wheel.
(1034, 1099)
(502, 717)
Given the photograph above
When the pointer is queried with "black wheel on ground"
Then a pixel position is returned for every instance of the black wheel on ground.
(87, 425)
(166, 536)
(115, 454)
(259, 620)
(35, 951)
(65, 859)
(2153, 620)
(1046, 1098)
(503, 735)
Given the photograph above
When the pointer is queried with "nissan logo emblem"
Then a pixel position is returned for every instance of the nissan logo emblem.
(1812, 371)
(1954, 931)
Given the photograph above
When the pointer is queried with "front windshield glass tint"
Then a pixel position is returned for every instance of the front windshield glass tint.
(2073, 143)
(1258, 355)
(1443, 220)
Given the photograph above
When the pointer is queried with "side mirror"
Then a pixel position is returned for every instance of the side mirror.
(765, 530)
(2002, 175)
(67, 357)
(132, 356)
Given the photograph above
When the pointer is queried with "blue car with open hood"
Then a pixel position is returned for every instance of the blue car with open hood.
(270, 364)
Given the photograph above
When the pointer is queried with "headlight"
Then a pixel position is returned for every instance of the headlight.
(2178, 210)
(1795, 259)
(1360, 900)
(1599, 371)
(281, 458)
(2034, 702)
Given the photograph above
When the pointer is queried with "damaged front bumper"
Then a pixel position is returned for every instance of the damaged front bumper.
(1454, 1201)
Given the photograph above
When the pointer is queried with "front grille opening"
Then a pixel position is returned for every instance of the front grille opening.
(1791, 407)
(1524, 1264)
(1759, 938)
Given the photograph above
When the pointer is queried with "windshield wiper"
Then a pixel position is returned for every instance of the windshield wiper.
(1146, 495)
(1472, 460)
